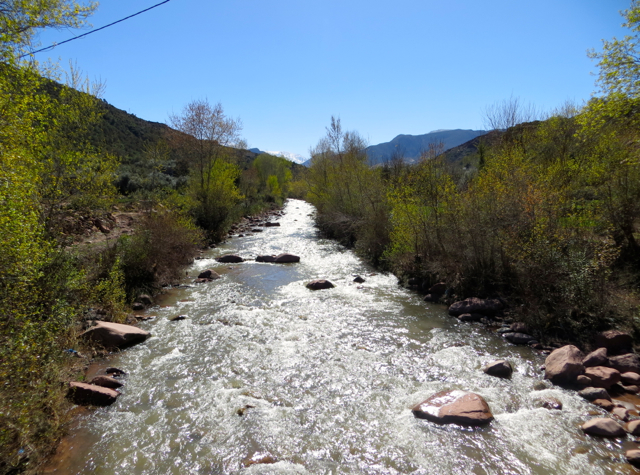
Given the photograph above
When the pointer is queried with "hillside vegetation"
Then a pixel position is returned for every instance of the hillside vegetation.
(68, 162)
(544, 214)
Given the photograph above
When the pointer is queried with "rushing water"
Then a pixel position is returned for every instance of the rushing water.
(322, 381)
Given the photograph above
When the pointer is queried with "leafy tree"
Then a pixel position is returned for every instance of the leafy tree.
(207, 135)
(619, 60)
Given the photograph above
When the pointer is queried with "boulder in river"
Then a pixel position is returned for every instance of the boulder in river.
(552, 403)
(286, 258)
(602, 377)
(633, 427)
(106, 382)
(115, 335)
(115, 371)
(630, 378)
(358, 280)
(614, 341)
(633, 457)
(320, 284)
(271, 224)
(266, 258)
(230, 258)
(603, 404)
(454, 407)
(518, 338)
(603, 427)
(438, 289)
(564, 365)
(499, 368)
(591, 394)
(475, 305)
(626, 363)
(88, 394)
(208, 274)
(596, 358)
(469, 317)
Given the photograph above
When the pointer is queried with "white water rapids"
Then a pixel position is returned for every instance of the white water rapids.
(324, 380)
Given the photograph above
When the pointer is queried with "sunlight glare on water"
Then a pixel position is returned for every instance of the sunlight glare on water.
(322, 382)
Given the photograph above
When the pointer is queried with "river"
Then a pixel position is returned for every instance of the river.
(322, 382)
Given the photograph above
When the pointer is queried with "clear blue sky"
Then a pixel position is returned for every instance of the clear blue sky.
(385, 68)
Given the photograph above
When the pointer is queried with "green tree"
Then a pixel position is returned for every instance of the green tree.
(619, 60)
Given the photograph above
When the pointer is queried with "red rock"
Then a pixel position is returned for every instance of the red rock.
(596, 358)
(633, 457)
(621, 413)
(630, 378)
(603, 427)
(615, 341)
(115, 335)
(551, 403)
(499, 368)
(106, 382)
(88, 394)
(230, 258)
(564, 365)
(602, 377)
(286, 258)
(476, 305)
(633, 427)
(604, 404)
(627, 363)
(208, 274)
(319, 284)
(454, 407)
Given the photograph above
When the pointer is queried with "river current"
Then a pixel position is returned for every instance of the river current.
(263, 369)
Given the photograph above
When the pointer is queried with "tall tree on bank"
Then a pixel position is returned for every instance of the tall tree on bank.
(206, 144)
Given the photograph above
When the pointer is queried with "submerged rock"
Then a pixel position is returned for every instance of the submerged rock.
(115, 335)
(208, 274)
(603, 427)
(564, 365)
(499, 368)
(320, 284)
(229, 258)
(85, 394)
(359, 280)
(106, 382)
(454, 407)
(552, 403)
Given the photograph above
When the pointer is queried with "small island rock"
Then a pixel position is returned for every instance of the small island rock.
(499, 368)
(320, 284)
(454, 407)
(564, 365)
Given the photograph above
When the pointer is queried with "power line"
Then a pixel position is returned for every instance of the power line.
(92, 31)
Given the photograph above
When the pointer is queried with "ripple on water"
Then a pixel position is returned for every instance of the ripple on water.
(322, 381)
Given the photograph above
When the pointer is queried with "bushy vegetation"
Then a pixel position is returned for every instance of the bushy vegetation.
(545, 216)
(67, 156)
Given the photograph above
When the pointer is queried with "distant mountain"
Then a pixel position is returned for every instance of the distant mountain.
(409, 147)
(293, 157)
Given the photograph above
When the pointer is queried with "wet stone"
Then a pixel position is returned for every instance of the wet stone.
(106, 382)
(320, 284)
(591, 394)
(454, 407)
(499, 368)
(603, 427)
(604, 404)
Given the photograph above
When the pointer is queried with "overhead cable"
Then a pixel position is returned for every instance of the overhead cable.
(92, 31)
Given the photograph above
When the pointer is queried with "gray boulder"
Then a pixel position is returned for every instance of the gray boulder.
(499, 368)
(603, 427)
(596, 358)
(627, 363)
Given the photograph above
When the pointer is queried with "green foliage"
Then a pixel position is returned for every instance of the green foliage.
(619, 62)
